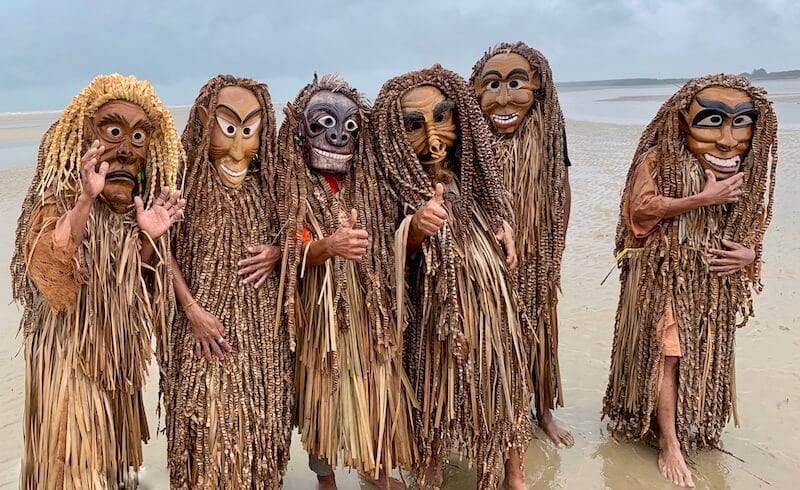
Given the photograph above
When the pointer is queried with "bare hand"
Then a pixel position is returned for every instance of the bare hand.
(208, 332)
(348, 242)
(727, 262)
(505, 235)
(260, 265)
(722, 191)
(93, 176)
(430, 217)
(161, 215)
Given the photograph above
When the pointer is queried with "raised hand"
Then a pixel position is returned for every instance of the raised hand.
(93, 176)
(727, 262)
(430, 217)
(208, 332)
(348, 242)
(260, 265)
(505, 235)
(722, 191)
(166, 210)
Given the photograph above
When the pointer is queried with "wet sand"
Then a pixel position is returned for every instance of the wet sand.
(762, 453)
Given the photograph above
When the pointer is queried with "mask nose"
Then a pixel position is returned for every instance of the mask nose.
(726, 141)
(503, 98)
(337, 138)
(236, 151)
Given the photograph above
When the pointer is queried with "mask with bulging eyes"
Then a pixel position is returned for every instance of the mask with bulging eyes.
(235, 133)
(124, 130)
(330, 130)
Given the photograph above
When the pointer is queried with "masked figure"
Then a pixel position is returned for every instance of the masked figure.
(465, 335)
(91, 269)
(353, 408)
(515, 88)
(689, 241)
(227, 381)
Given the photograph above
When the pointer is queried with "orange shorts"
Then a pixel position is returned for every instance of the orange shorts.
(667, 330)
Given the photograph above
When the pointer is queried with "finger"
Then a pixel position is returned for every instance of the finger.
(732, 245)
(103, 169)
(215, 348)
(255, 249)
(197, 349)
(724, 268)
(226, 346)
(137, 201)
(725, 261)
(721, 253)
(206, 350)
(359, 234)
(250, 261)
(710, 177)
(351, 222)
(174, 198)
(439, 212)
(438, 193)
(255, 275)
(261, 281)
(243, 271)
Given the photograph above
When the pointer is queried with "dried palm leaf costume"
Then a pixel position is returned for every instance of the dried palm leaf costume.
(533, 158)
(464, 340)
(669, 266)
(90, 307)
(229, 419)
(353, 398)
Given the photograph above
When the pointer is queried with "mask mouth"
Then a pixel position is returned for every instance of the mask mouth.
(119, 176)
(232, 173)
(725, 165)
(339, 157)
(504, 121)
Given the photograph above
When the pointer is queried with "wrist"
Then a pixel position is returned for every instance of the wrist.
(85, 200)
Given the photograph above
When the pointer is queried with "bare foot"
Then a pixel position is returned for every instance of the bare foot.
(327, 482)
(385, 482)
(561, 436)
(673, 466)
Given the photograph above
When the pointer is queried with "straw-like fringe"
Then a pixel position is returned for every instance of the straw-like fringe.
(671, 265)
(228, 421)
(345, 327)
(85, 368)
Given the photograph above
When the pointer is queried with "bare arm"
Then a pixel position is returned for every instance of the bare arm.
(428, 220)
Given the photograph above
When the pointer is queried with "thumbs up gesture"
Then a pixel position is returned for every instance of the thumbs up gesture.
(349, 242)
(430, 217)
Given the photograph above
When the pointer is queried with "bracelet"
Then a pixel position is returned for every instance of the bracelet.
(189, 305)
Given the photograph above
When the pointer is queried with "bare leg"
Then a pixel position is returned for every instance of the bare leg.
(385, 481)
(326, 479)
(670, 459)
(515, 477)
(561, 436)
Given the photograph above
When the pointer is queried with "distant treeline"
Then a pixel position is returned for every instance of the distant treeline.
(757, 74)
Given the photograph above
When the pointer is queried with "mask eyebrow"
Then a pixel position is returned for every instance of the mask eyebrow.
(252, 113)
(443, 106)
(111, 117)
(144, 124)
(722, 106)
(413, 116)
(519, 71)
(708, 112)
(232, 111)
(492, 72)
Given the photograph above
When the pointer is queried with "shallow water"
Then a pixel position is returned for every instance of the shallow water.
(764, 452)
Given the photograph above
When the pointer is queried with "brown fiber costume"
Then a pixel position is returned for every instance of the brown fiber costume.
(464, 340)
(228, 421)
(670, 266)
(354, 401)
(533, 160)
(90, 307)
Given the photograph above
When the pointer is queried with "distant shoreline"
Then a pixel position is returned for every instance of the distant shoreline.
(637, 82)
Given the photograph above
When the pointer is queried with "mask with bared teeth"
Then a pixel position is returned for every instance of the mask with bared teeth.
(329, 130)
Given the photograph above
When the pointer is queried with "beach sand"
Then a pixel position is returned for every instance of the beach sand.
(763, 452)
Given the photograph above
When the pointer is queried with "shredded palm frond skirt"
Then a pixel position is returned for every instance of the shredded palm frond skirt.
(537, 198)
(84, 416)
(228, 421)
(351, 408)
(708, 309)
(464, 347)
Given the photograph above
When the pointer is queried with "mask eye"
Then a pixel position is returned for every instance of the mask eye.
(743, 120)
(413, 126)
(514, 84)
(711, 121)
(139, 136)
(226, 126)
(327, 121)
(114, 131)
(494, 84)
(250, 129)
(439, 117)
(350, 125)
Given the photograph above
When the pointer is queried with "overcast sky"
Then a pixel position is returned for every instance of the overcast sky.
(49, 50)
